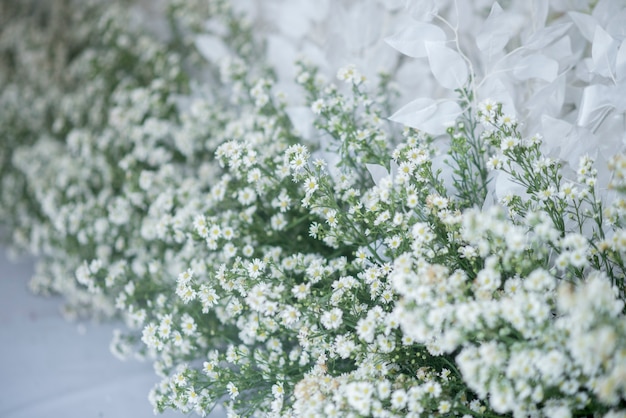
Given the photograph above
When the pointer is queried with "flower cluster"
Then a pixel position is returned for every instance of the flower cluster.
(303, 256)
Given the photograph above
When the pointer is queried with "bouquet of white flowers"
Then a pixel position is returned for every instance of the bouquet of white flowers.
(281, 236)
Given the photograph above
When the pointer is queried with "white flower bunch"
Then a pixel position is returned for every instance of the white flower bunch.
(301, 256)
(408, 289)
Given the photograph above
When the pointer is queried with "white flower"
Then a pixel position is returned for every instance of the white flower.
(349, 74)
(398, 399)
(185, 277)
(208, 367)
(185, 292)
(488, 280)
(359, 396)
(290, 315)
(233, 392)
(246, 196)
(188, 325)
(318, 106)
(496, 162)
(365, 329)
(344, 346)
(332, 319)
(255, 268)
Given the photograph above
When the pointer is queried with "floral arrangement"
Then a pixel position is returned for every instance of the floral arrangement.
(288, 240)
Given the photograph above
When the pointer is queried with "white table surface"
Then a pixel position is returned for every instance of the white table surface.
(53, 368)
